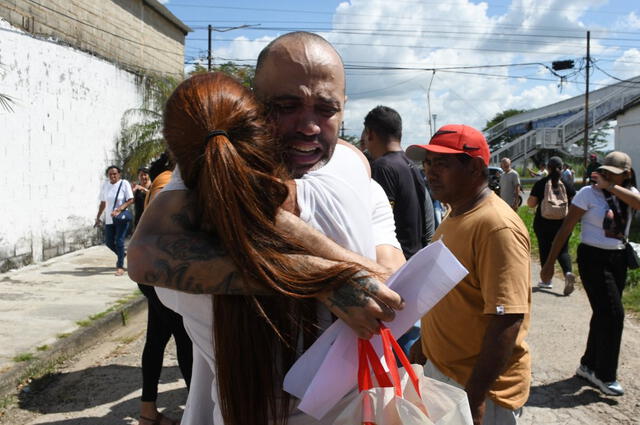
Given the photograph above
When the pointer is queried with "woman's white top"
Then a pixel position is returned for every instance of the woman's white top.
(108, 195)
(592, 200)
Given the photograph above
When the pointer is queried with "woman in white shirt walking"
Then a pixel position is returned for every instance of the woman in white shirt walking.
(605, 211)
(116, 196)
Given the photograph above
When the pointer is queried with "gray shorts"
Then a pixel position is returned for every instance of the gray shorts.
(493, 414)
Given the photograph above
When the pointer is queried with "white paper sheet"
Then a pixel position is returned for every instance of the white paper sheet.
(327, 371)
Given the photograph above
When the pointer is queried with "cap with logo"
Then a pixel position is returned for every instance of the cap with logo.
(616, 162)
(454, 139)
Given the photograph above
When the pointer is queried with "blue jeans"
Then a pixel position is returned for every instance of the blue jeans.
(114, 235)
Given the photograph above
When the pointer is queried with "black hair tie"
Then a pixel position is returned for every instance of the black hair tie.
(216, 133)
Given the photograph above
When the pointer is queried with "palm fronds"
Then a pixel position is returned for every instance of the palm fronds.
(140, 139)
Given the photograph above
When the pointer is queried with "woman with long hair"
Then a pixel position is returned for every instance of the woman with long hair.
(605, 212)
(229, 162)
(546, 226)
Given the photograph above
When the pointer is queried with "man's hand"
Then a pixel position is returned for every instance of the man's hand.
(546, 273)
(363, 305)
(416, 356)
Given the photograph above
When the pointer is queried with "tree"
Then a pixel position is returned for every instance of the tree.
(501, 116)
(598, 140)
(242, 73)
(140, 139)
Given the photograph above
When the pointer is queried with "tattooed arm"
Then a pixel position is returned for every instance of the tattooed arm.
(166, 251)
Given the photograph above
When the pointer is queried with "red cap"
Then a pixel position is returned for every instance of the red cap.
(453, 138)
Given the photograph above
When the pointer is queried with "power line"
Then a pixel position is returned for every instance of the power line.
(480, 49)
(320, 12)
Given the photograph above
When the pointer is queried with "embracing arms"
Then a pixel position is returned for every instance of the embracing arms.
(167, 251)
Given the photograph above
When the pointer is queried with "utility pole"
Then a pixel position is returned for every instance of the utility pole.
(211, 29)
(209, 50)
(342, 130)
(586, 106)
(435, 127)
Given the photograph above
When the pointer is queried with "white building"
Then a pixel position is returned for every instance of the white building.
(72, 68)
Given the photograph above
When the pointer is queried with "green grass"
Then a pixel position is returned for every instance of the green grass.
(44, 347)
(631, 294)
(23, 357)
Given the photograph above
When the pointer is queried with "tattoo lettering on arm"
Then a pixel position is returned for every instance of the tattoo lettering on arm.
(192, 247)
(179, 278)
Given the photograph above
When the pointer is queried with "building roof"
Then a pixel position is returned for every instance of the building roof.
(161, 9)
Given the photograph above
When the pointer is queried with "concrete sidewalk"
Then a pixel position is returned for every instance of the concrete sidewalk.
(44, 306)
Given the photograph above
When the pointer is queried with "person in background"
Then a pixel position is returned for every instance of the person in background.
(400, 179)
(604, 210)
(160, 172)
(162, 323)
(567, 174)
(542, 172)
(546, 225)
(115, 197)
(474, 337)
(404, 186)
(140, 190)
(592, 166)
(509, 184)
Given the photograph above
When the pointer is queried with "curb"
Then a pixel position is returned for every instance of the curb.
(75, 343)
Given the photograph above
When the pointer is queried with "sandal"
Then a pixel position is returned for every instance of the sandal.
(158, 420)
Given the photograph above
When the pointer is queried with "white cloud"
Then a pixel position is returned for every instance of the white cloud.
(411, 34)
(627, 65)
(629, 22)
(164, 1)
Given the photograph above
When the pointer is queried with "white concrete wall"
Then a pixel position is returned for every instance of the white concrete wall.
(627, 135)
(56, 143)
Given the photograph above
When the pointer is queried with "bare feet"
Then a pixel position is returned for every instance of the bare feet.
(119, 272)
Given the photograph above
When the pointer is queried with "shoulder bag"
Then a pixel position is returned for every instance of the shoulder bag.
(125, 215)
(633, 262)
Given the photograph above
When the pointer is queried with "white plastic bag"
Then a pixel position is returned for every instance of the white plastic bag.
(402, 396)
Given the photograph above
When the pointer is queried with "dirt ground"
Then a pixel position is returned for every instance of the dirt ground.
(102, 385)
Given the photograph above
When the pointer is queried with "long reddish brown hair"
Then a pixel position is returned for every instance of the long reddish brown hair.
(238, 186)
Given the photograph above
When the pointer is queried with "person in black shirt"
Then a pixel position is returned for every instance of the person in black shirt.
(592, 166)
(545, 228)
(400, 179)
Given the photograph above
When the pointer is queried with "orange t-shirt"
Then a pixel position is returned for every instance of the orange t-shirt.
(158, 184)
(492, 242)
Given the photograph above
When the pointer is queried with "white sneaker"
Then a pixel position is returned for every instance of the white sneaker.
(609, 388)
(545, 285)
(569, 283)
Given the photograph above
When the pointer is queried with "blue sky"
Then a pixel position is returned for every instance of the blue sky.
(374, 36)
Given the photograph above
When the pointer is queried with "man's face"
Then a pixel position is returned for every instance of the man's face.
(448, 178)
(302, 85)
(505, 165)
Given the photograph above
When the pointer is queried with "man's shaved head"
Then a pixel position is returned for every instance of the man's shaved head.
(300, 78)
(299, 38)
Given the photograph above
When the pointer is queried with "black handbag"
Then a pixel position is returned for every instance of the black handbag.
(125, 215)
(633, 262)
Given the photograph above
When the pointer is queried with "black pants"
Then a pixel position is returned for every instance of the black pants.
(162, 322)
(604, 274)
(545, 232)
